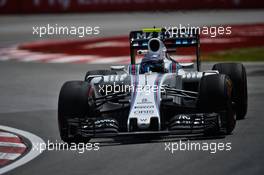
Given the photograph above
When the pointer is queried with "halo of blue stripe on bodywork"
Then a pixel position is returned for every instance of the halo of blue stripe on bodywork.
(157, 93)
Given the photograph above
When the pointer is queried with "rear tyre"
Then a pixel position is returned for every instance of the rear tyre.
(73, 102)
(237, 74)
(215, 95)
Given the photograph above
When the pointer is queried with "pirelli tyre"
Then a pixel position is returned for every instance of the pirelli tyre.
(237, 73)
(215, 95)
(73, 102)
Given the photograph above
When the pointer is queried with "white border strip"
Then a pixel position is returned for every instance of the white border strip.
(9, 156)
(28, 156)
(11, 144)
(6, 134)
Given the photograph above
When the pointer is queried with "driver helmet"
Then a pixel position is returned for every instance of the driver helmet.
(153, 62)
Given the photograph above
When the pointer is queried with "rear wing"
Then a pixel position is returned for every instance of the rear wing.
(172, 39)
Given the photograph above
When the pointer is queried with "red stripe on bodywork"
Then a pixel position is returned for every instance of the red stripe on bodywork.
(10, 139)
(15, 150)
(4, 162)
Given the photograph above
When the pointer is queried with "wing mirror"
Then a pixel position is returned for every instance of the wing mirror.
(187, 65)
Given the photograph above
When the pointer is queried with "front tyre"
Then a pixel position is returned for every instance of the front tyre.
(73, 102)
(237, 73)
(215, 95)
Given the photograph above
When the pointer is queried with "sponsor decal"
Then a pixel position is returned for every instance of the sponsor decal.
(144, 101)
(141, 112)
(104, 121)
(143, 119)
(144, 107)
(184, 117)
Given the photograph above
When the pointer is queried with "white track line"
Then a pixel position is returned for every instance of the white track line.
(10, 144)
(27, 157)
(16, 53)
(26, 56)
(4, 58)
(6, 134)
(69, 59)
(109, 60)
(9, 156)
(41, 57)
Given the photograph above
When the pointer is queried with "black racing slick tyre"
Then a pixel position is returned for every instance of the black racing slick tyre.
(215, 95)
(237, 73)
(73, 102)
(98, 72)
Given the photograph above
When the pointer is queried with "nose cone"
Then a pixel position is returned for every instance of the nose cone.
(143, 123)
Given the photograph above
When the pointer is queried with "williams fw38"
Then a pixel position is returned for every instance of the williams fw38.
(158, 96)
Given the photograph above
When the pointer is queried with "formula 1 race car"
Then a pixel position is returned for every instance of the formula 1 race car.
(158, 96)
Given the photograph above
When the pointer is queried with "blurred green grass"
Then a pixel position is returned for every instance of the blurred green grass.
(241, 54)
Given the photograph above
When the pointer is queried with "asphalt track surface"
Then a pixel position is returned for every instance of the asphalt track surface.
(28, 101)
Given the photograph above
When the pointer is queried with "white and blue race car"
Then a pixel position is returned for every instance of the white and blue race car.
(158, 96)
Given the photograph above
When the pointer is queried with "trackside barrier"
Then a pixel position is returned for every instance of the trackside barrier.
(86, 6)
